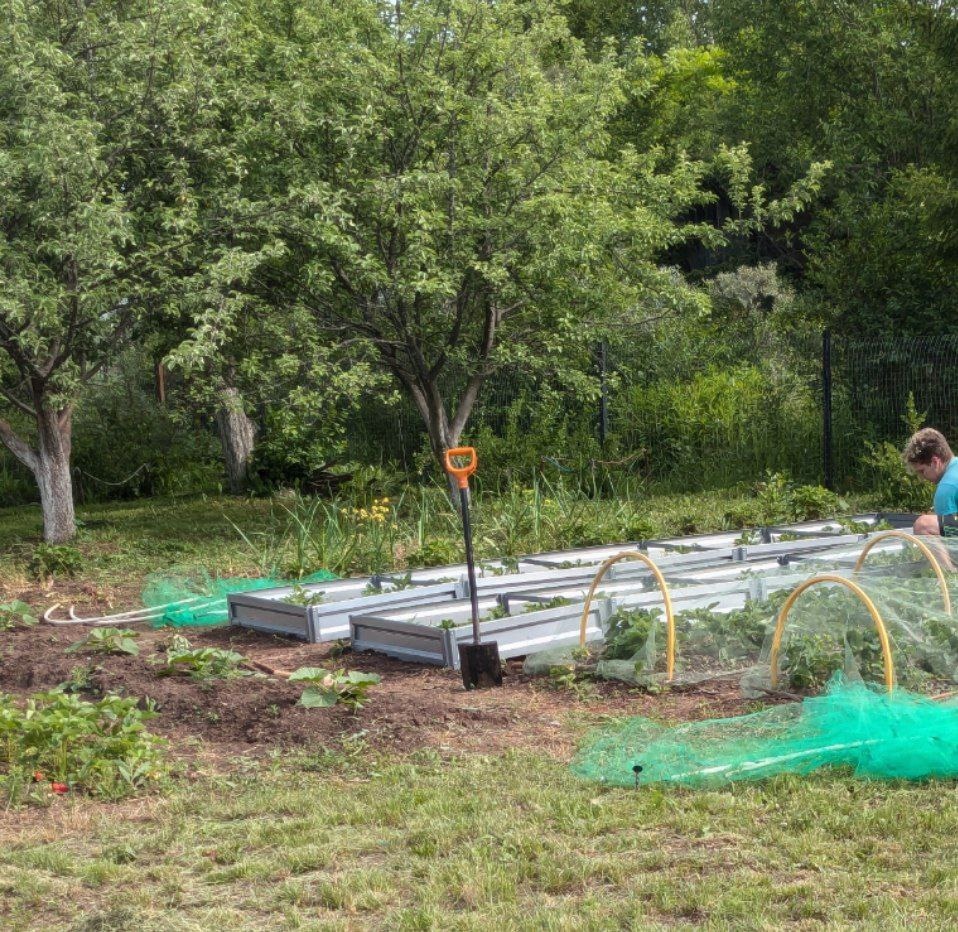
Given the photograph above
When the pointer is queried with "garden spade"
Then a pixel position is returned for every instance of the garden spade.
(478, 662)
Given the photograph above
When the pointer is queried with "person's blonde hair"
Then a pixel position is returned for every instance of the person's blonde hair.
(924, 445)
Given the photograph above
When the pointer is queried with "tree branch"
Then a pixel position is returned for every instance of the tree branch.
(20, 449)
(17, 402)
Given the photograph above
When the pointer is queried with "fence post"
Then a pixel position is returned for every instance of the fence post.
(603, 393)
(828, 479)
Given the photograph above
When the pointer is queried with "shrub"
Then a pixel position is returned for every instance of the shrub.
(437, 551)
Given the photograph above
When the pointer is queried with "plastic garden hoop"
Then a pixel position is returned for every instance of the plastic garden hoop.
(660, 579)
(866, 601)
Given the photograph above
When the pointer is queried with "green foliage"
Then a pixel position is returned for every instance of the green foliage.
(328, 688)
(809, 660)
(573, 677)
(894, 485)
(16, 612)
(200, 663)
(680, 425)
(628, 632)
(302, 596)
(102, 748)
(108, 641)
(51, 560)
(437, 551)
(112, 114)
(128, 445)
(557, 601)
(780, 499)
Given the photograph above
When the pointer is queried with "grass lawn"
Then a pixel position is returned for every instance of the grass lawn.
(347, 841)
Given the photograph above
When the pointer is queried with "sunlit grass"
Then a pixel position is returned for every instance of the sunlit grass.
(290, 536)
(506, 842)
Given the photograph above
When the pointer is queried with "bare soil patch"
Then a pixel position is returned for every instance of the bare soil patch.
(414, 707)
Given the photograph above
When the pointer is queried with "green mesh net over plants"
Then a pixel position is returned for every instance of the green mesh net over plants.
(193, 598)
(875, 734)
(726, 629)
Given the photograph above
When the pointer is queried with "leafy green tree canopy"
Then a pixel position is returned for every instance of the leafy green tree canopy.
(107, 113)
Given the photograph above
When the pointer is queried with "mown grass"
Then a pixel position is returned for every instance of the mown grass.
(515, 842)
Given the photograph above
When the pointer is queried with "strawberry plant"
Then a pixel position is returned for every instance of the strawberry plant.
(107, 641)
(628, 632)
(57, 742)
(327, 688)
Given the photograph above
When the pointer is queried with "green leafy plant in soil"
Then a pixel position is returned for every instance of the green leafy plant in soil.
(14, 613)
(628, 632)
(107, 641)
(55, 560)
(201, 663)
(302, 596)
(60, 741)
(328, 688)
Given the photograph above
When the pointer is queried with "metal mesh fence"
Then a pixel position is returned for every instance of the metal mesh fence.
(875, 382)
(687, 424)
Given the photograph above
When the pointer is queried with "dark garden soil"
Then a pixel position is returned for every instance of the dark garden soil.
(413, 707)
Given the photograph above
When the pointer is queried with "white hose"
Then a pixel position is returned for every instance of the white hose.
(136, 616)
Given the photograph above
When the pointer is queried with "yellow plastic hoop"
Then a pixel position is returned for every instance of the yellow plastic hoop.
(866, 601)
(660, 579)
(923, 547)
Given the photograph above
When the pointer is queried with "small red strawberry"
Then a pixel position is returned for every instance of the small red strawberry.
(59, 788)
(38, 776)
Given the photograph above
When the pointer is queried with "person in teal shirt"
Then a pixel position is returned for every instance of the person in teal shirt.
(928, 455)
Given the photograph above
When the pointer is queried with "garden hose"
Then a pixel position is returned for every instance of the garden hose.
(132, 617)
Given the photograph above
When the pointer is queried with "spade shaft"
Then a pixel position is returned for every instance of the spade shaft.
(479, 662)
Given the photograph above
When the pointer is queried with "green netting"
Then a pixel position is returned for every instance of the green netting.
(878, 735)
(828, 629)
(191, 597)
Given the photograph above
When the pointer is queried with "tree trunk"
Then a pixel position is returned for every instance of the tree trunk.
(442, 437)
(51, 469)
(49, 463)
(238, 436)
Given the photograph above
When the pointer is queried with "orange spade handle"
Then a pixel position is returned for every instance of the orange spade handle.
(462, 473)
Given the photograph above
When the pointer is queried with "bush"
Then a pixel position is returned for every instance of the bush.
(126, 444)
(887, 475)
(437, 551)
(718, 427)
